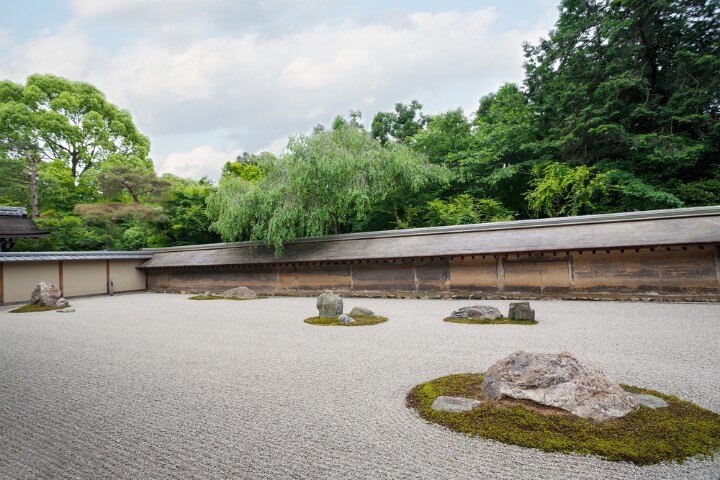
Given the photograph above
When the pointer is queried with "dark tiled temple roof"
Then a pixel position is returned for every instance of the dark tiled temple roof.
(18, 226)
(623, 230)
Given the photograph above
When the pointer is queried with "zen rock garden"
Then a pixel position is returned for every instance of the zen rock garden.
(519, 313)
(330, 312)
(45, 297)
(555, 402)
(544, 401)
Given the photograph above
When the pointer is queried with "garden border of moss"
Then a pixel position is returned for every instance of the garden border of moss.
(485, 321)
(219, 297)
(646, 436)
(33, 307)
(361, 321)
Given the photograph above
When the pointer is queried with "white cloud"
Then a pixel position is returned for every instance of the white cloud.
(68, 52)
(183, 19)
(255, 89)
(202, 161)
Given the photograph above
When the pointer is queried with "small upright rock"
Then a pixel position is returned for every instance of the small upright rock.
(485, 312)
(207, 294)
(521, 311)
(559, 381)
(329, 305)
(239, 292)
(361, 311)
(346, 319)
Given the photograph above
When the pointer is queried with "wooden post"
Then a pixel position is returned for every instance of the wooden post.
(107, 277)
(60, 277)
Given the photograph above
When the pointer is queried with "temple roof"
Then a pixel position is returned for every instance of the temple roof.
(15, 224)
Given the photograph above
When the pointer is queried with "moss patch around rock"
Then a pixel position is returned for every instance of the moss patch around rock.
(645, 436)
(360, 321)
(218, 297)
(485, 321)
(33, 307)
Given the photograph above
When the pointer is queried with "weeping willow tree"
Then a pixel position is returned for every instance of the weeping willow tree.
(326, 183)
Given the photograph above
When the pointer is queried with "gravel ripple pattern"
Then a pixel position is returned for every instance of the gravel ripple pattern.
(155, 386)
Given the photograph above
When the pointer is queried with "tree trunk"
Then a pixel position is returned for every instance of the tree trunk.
(34, 160)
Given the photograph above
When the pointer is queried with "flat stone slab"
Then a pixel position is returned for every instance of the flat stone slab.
(650, 401)
(454, 404)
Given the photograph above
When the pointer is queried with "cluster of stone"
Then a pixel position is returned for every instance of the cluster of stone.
(518, 311)
(330, 305)
(48, 295)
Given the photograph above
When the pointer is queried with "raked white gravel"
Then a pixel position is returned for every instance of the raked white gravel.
(154, 386)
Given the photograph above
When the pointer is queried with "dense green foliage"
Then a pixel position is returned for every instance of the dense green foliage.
(645, 436)
(618, 111)
(80, 165)
(330, 182)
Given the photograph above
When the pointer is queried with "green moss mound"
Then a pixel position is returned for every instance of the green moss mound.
(360, 321)
(218, 297)
(645, 436)
(485, 321)
(33, 307)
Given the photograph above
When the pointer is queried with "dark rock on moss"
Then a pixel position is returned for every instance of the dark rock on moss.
(521, 311)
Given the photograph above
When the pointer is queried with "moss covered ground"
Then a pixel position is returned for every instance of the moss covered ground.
(485, 321)
(361, 320)
(33, 307)
(645, 436)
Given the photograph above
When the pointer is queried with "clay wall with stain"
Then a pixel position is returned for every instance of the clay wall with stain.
(648, 272)
(674, 270)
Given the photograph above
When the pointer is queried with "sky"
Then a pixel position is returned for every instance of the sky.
(207, 80)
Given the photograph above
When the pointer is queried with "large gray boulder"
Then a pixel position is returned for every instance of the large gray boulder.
(559, 381)
(239, 292)
(521, 311)
(485, 312)
(48, 295)
(329, 305)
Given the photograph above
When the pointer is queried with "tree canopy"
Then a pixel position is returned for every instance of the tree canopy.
(328, 182)
(618, 111)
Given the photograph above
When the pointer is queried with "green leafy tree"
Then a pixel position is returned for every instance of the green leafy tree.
(559, 189)
(465, 209)
(632, 86)
(326, 183)
(246, 166)
(51, 119)
(185, 213)
(400, 125)
(75, 123)
(119, 176)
